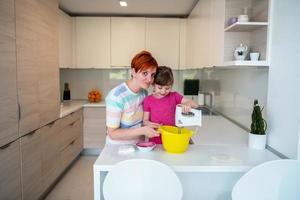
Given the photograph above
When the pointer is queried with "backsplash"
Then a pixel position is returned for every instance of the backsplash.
(233, 89)
(81, 81)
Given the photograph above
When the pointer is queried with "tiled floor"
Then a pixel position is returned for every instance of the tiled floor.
(77, 183)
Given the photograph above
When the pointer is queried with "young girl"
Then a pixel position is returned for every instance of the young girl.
(159, 108)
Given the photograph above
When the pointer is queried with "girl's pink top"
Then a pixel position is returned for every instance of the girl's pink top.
(162, 110)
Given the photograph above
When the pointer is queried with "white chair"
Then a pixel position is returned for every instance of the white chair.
(273, 180)
(141, 179)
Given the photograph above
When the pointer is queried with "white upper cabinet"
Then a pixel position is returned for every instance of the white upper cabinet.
(92, 42)
(65, 40)
(199, 35)
(162, 40)
(127, 39)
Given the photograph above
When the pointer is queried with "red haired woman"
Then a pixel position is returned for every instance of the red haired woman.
(124, 103)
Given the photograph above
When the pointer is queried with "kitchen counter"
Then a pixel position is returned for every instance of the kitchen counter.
(68, 107)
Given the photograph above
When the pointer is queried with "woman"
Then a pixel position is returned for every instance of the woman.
(124, 103)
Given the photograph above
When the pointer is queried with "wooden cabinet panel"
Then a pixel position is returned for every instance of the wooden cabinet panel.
(51, 167)
(69, 133)
(8, 87)
(71, 151)
(162, 40)
(94, 127)
(127, 39)
(37, 62)
(10, 172)
(92, 42)
(31, 165)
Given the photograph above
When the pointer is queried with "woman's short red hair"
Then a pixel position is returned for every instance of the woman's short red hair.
(143, 61)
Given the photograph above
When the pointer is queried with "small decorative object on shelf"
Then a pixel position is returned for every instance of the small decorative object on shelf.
(244, 17)
(241, 52)
(257, 135)
(67, 93)
(254, 56)
(94, 96)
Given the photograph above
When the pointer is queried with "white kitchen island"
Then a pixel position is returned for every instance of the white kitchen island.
(206, 171)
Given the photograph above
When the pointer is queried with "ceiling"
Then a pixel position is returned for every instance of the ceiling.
(155, 8)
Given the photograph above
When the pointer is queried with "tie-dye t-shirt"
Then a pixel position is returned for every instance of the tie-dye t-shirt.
(124, 108)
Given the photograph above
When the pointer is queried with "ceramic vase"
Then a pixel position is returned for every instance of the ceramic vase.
(257, 141)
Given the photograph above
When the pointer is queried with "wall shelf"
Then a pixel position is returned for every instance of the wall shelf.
(259, 63)
(245, 26)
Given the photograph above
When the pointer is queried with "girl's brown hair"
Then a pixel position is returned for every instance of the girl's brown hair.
(143, 61)
(164, 76)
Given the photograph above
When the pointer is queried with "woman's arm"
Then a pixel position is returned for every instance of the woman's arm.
(131, 133)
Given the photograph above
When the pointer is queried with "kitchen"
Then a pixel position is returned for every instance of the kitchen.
(39, 143)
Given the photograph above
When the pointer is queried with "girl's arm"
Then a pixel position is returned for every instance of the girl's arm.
(187, 104)
(147, 122)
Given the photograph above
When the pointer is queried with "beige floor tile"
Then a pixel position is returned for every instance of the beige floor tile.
(77, 183)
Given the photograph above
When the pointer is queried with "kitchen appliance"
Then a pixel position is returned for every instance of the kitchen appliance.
(191, 86)
(192, 118)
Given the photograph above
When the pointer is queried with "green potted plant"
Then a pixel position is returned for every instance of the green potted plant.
(257, 135)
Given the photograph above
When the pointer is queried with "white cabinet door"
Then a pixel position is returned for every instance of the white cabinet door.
(162, 40)
(92, 42)
(65, 40)
(198, 35)
(127, 39)
(182, 45)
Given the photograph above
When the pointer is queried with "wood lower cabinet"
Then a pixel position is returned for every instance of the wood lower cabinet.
(94, 127)
(47, 152)
(31, 165)
(10, 171)
(51, 168)
(8, 83)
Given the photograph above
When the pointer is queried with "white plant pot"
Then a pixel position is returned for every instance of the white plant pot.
(257, 141)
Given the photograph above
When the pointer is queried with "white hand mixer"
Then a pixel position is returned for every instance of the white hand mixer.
(192, 118)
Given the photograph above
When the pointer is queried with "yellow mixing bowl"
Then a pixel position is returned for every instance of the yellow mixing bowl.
(173, 141)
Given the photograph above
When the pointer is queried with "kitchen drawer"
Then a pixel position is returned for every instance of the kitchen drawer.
(72, 117)
(70, 132)
(71, 151)
(10, 171)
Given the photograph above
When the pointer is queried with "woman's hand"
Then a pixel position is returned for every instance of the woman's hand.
(149, 131)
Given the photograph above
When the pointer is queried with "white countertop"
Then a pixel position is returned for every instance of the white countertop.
(198, 158)
(68, 107)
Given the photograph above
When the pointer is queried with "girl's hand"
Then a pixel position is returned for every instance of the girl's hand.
(149, 131)
(185, 108)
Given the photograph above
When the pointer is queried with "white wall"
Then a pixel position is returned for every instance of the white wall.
(283, 108)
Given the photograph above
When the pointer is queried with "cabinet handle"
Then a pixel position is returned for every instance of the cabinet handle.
(51, 124)
(71, 143)
(5, 146)
(19, 111)
(31, 133)
(72, 124)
